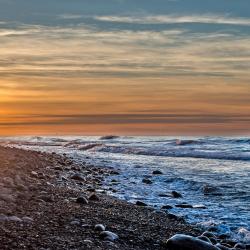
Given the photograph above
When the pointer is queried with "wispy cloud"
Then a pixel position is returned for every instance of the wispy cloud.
(70, 16)
(176, 19)
(13, 32)
(87, 51)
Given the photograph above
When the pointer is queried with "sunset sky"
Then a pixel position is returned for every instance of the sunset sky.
(139, 67)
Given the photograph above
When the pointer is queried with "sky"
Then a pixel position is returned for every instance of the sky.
(132, 67)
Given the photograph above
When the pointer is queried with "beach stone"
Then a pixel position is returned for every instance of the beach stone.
(109, 236)
(100, 227)
(77, 177)
(175, 194)
(141, 204)
(184, 205)
(185, 242)
(166, 207)
(82, 200)
(164, 195)
(75, 222)
(157, 172)
(94, 197)
(147, 181)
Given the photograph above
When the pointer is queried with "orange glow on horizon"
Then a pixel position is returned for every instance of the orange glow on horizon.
(54, 106)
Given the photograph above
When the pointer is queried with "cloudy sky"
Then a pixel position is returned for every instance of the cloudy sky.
(125, 67)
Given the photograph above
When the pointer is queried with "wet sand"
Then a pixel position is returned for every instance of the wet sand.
(39, 208)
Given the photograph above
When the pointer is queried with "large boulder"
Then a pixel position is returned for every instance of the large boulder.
(185, 242)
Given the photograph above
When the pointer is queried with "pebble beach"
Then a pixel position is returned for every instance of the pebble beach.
(48, 202)
(54, 201)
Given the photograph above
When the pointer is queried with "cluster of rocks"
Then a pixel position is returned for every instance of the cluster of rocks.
(99, 229)
(104, 234)
(173, 194)
(206, 241)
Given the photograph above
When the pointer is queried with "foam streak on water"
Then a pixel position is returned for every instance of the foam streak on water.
(214, 172)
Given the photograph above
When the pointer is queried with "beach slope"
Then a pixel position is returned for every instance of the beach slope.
(48, 201)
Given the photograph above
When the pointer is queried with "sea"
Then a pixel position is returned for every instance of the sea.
(211, 173)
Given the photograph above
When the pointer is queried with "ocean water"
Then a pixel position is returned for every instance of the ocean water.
(209, 171)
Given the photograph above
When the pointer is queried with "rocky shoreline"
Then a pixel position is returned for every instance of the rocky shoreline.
(48, 201)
